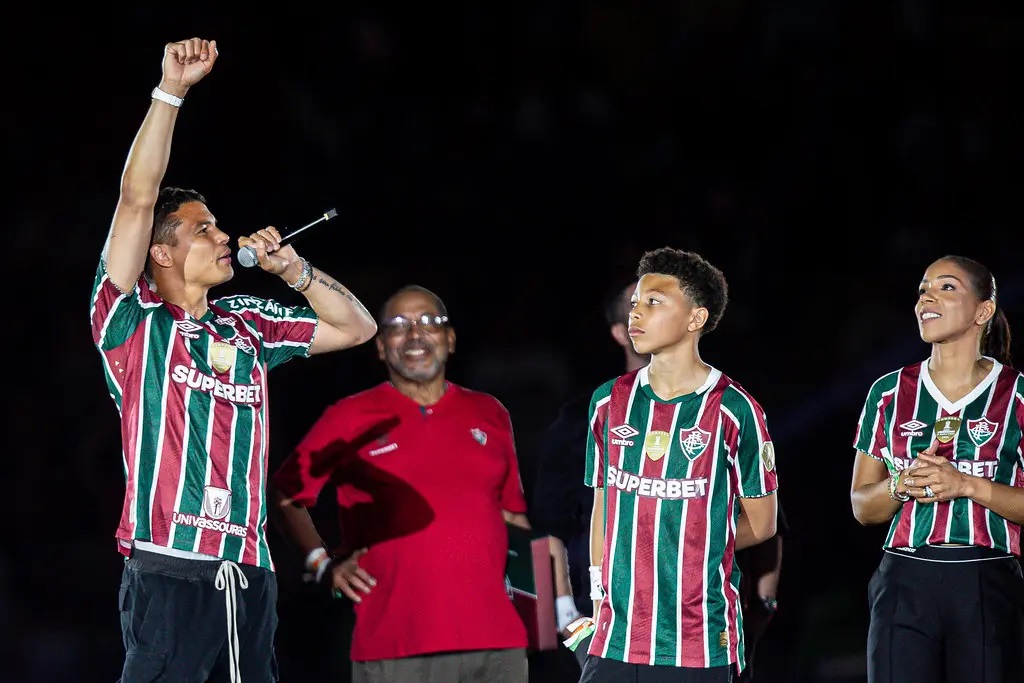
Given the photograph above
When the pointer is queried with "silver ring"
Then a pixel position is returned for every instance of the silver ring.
(928, 492)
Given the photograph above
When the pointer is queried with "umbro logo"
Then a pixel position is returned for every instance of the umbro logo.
(623, 432)
(913, 428)
(187, 328)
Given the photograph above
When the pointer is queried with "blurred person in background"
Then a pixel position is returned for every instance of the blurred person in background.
(426, 477)
(938, 458)
(188, 375)
(561, 503)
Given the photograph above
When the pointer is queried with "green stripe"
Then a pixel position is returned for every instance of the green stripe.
(153, 376)
(670, 546)
(961, 527)
(621, 578)
(924, 519)
(240, 456)
(1007, 461)
(927, 412)
(197, 414)
(718, 514)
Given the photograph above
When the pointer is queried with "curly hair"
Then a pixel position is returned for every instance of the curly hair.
(700, 280)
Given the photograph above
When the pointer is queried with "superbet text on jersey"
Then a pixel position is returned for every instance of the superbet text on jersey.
(192, 399)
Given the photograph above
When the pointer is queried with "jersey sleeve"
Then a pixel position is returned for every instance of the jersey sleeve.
(1018, 413)
(596, 461)
(513, 499)
(871, 436)
(308, 468)
(114, 314)
(286, 331)
(746, 430)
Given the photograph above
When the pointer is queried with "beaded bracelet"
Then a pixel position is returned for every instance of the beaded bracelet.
(306, 279)
(893, 493)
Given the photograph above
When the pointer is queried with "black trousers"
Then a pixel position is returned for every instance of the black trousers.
(177, 626)
(600, 670)
(946, 614)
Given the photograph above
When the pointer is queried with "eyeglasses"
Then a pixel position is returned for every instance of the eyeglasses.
(426, 322)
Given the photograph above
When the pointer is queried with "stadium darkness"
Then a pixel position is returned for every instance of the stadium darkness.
(517, 161)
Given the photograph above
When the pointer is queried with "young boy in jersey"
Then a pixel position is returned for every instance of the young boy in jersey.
(683, 469)
(189, 377)
(939, 458)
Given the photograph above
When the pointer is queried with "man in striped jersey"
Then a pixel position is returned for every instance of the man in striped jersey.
(189, 377)
(939, 457)
(683, 469)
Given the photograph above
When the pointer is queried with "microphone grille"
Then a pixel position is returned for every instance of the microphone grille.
(247, 257)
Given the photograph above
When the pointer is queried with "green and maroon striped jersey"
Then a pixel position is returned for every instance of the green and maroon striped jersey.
(194, 418)
(672, 472)
(981, 434)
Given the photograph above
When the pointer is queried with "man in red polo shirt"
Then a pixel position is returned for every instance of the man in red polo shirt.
(426, 477)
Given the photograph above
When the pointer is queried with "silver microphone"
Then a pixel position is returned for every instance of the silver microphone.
(247, 255)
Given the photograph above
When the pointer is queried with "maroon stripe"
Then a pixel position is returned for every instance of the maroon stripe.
(173, 460)
(693, 628)
(642, 620)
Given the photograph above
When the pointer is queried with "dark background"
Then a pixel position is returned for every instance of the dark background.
(517, 160)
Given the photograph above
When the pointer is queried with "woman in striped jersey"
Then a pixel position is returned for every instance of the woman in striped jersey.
(939, 458)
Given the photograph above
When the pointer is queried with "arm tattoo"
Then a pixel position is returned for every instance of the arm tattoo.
(334, 286)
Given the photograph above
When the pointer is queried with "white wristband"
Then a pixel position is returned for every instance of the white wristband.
(565, 611)
(596, 589)
(317, 563)
(167, 97)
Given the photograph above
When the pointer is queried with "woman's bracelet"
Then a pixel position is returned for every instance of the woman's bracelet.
(894, 480)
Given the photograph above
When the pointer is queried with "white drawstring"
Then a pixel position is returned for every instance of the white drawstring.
(226, 582)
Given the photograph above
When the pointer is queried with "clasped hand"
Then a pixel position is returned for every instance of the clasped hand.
(932, 478)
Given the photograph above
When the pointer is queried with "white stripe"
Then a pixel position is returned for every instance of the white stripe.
(926, 559)
(172, 552)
